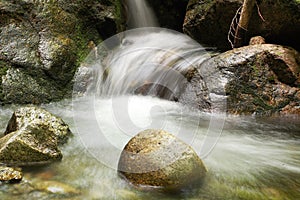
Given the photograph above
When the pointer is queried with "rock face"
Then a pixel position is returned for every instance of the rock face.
(256, 79)
(42, 42)
(32, 137)
(208, 21)
(20, 87)
(157, 159)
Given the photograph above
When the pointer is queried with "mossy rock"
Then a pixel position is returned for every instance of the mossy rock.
(19, 86)
(32, 137)
(28, 146)
(47, 41)
(34, 116)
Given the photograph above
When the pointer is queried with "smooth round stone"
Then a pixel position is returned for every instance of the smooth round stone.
(157, 159)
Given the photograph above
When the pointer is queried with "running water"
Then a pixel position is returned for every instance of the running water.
(255, 158)
(149, 61)
(139, 14)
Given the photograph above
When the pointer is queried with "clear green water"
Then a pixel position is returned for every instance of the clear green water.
(255, 158)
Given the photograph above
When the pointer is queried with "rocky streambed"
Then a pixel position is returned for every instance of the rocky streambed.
(254, 158)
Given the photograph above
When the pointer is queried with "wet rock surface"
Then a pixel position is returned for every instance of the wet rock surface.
(157, 159)
(256, 79)
(32, 137)
(28, 146)
(40, 189)
(208, 21)
(34, 116)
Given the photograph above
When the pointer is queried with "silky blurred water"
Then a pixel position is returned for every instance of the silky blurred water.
(254, 158)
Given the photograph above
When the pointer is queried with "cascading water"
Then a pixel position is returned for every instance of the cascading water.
(149, 61)
(139, 14)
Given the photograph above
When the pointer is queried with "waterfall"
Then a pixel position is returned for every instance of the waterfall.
(148, 61)
(140, 14)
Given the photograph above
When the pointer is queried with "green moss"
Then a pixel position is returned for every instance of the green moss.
(119, 15)
(85, 40)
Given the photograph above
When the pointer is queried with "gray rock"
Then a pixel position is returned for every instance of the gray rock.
(83, 79)
(8, 174)
(37, 117)
(257, 79)
(46, 41)
(19, 43)
(208, 21)
(157, 159)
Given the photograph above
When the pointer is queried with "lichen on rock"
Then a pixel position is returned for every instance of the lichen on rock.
(29, 145)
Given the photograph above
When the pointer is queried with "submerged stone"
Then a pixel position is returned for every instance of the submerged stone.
(157, 159)
(44, 41)
(56, 187)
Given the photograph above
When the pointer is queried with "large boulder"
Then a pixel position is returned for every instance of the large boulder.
(208, 21)
(44, 41)
(32, 137)
(256, 79)
(157, 159)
